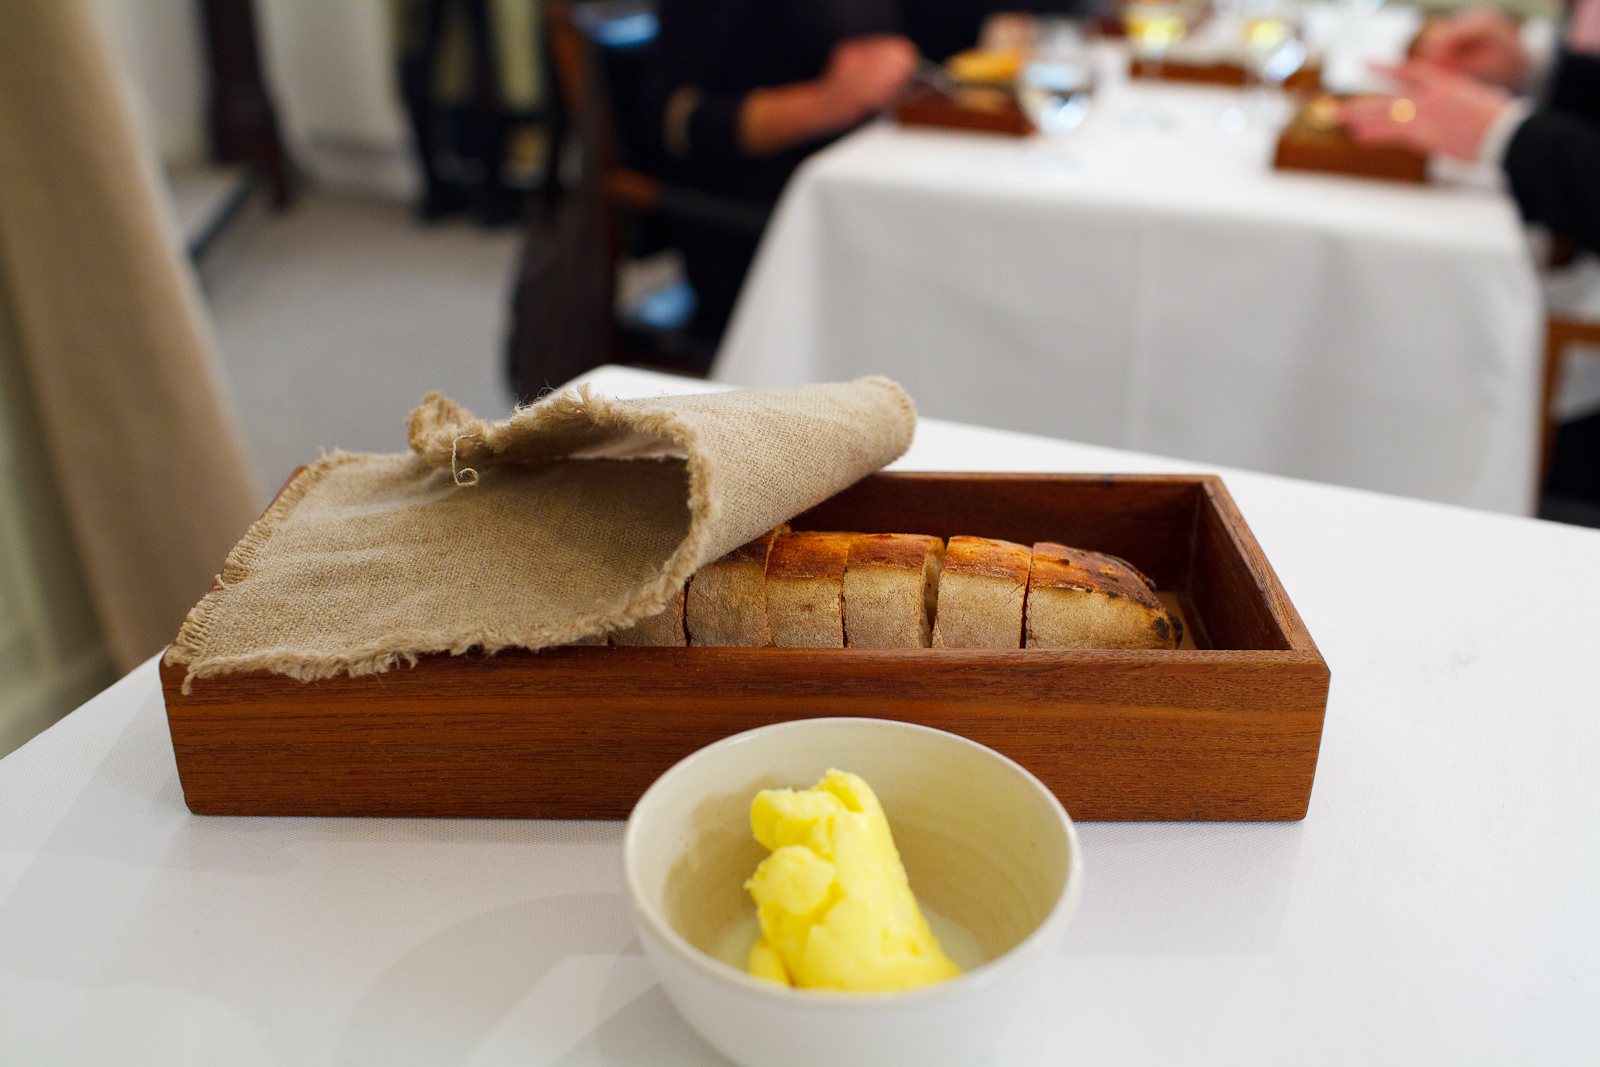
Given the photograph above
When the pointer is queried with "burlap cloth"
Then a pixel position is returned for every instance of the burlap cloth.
(578, 515)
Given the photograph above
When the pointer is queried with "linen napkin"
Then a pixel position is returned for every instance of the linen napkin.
(578, 515)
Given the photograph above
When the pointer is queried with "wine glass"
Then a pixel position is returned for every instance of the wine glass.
(1055, 86)
(1273, 49)
(1153, 27)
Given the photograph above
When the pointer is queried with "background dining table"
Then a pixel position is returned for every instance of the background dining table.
(1148, 281)
(1436, 905)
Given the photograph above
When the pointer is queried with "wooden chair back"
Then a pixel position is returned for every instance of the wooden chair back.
(588, 106)
(1560, 332)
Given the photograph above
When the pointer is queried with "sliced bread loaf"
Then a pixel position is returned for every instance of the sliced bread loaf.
(1081, 599)
(665, 629)
(726, 605)
(891, 588)
(805, 589)
(982, 587)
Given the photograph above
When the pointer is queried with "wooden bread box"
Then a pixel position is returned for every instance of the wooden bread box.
(1313, 141)
(1306, 79)
(1228, 730)
(985, 109)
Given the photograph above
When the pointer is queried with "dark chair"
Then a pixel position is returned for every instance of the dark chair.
(1560, 333)
(597, 207)
(241, 119)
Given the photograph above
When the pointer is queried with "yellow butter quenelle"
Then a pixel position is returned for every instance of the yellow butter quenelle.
(835, 908)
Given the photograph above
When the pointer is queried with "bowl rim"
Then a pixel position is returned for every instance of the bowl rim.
(989, 973)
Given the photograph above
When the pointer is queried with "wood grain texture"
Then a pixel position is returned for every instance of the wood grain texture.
(1226, 733)
(929, 107)
(1333, 152)
(1306, 79)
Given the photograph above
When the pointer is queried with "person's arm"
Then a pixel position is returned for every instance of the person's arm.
(690, 121)
(681, 118)
(1551, 158)
(1438, 110)
(862, 77)
(1481, 43)
(1553, 163)
(1575, 85)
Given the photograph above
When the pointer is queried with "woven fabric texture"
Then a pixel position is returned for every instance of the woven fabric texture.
(578, 515)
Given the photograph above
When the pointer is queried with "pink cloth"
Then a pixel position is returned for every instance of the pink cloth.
(1583, 32)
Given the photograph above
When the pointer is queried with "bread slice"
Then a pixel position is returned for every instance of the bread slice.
(891, 588)
(1079, 599)
(805, 589)
(662, 629)
(726, 606)
(982, 588)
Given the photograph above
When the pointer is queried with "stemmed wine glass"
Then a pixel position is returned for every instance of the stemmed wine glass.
(1153, 27)
(1274, 50)
(1056, 84)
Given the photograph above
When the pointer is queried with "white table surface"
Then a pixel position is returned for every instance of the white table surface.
(1165, 291)
(1437, 905)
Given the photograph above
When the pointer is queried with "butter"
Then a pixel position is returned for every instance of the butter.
(833, 903)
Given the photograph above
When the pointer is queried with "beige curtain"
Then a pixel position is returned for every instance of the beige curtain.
(114, 336)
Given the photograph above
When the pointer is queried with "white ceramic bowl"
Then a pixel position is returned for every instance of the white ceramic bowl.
(985, 844)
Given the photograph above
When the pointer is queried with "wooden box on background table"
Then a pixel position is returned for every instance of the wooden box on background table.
(1227, 730)
(1314, 141)
(1304, 80)
(983, 108)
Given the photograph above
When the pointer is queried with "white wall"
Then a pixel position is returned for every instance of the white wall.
(159, 45)
(330, 67)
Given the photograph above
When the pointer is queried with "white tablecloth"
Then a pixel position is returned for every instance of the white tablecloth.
(1437, 905)
(1165, 291)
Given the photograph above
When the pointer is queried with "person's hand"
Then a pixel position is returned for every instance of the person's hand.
(1481, 43)
(864, 74)
(1438, 111)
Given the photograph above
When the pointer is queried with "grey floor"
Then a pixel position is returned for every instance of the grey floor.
(335, 318)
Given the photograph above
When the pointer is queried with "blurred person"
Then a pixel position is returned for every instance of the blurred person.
(741, 91)
(941, 28)
(1481, 43)
(1457, 98)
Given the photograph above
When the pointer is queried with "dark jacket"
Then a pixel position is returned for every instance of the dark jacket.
(723, 49)
(1553, 160)
(726, 48)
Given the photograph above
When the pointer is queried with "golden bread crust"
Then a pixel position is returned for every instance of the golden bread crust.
(1057, 566)
(984, 557)
(898, 551)
(809, 554)
(805, 589)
